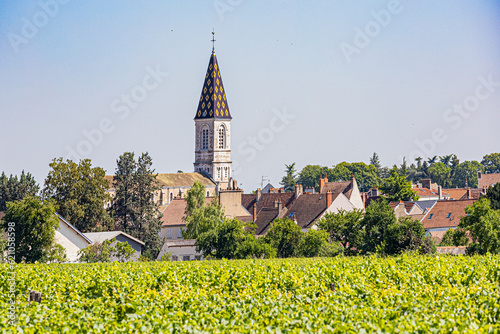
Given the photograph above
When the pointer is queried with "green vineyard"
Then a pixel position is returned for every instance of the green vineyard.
(407, 294)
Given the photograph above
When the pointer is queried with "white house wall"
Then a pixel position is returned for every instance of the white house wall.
(70, 240)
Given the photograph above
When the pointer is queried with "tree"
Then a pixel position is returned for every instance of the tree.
(378, 217)
(466, 173)
(33, 223)
(407, 234)
(397, 188)
(232, 239)
(134, 208)
(309, 176)
(446, 159)
(454, 237)
(222, 241)
(252, 247)
(106, 252)
(366, 175)
(195, 198)
(285, 236)
(484, 225)
(203, 219)
(13, 189)
(313, 242)
(491, 163)
(80, 194)
(344, 227)
(200, 218)
(290, 179)
(493, 194)
(440, 173)
(375, 162)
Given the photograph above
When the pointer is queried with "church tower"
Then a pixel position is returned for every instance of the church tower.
(213, 128)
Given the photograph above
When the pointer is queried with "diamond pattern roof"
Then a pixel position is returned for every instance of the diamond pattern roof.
(213, 103)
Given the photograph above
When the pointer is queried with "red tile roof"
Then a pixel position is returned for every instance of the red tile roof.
(266, 200)
(307, 208)
(173, 215)
(264, 219)
(445, 213)
(487, 180)
(338, 187)
(457, 193)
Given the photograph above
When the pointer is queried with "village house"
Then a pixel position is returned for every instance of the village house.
(70, 238)
(117, 236)
(487, 180)
(444, 215)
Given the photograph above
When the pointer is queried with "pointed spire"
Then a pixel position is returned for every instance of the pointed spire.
(213, 103)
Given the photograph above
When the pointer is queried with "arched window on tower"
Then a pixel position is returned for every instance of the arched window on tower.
(204, 139)
(222, 137)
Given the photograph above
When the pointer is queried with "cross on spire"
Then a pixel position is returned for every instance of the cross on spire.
(213, 41)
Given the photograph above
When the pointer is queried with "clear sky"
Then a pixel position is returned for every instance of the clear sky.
(311, 82)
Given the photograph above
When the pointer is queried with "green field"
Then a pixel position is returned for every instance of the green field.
(358, 294)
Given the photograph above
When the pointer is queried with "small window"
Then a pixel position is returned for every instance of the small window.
(179, 233)
(171, 196)
(208, 193)
(169, 234)
(449, 215)
(431, 215)
(197, 257)
(175, 258)
(186, 258)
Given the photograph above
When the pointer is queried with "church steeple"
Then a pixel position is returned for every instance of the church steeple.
(213, 128)
(213, 103)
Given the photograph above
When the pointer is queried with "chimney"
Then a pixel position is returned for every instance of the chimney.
(329, 199)
(322, 183)
(469, 193)
(235, 185)
(279, 205)
(258, 193)
(254, 215)
(363, 197)
(426, 183)
(440, 192)
(309, 190)
(298, 190)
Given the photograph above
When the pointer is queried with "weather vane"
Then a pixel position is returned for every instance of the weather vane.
(213, 41)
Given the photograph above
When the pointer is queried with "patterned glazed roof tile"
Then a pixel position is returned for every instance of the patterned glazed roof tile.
(213, 102)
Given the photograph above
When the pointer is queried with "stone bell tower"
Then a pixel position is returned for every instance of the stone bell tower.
(213, 128)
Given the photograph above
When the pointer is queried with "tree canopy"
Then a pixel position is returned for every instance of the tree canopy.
(200, 218)
(397, 188)
(290, 179)
(79, 191)
(484, 225)
(13, 188)
(134, 207)
(33, 223)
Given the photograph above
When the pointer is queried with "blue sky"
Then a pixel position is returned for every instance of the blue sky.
(354, 77)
